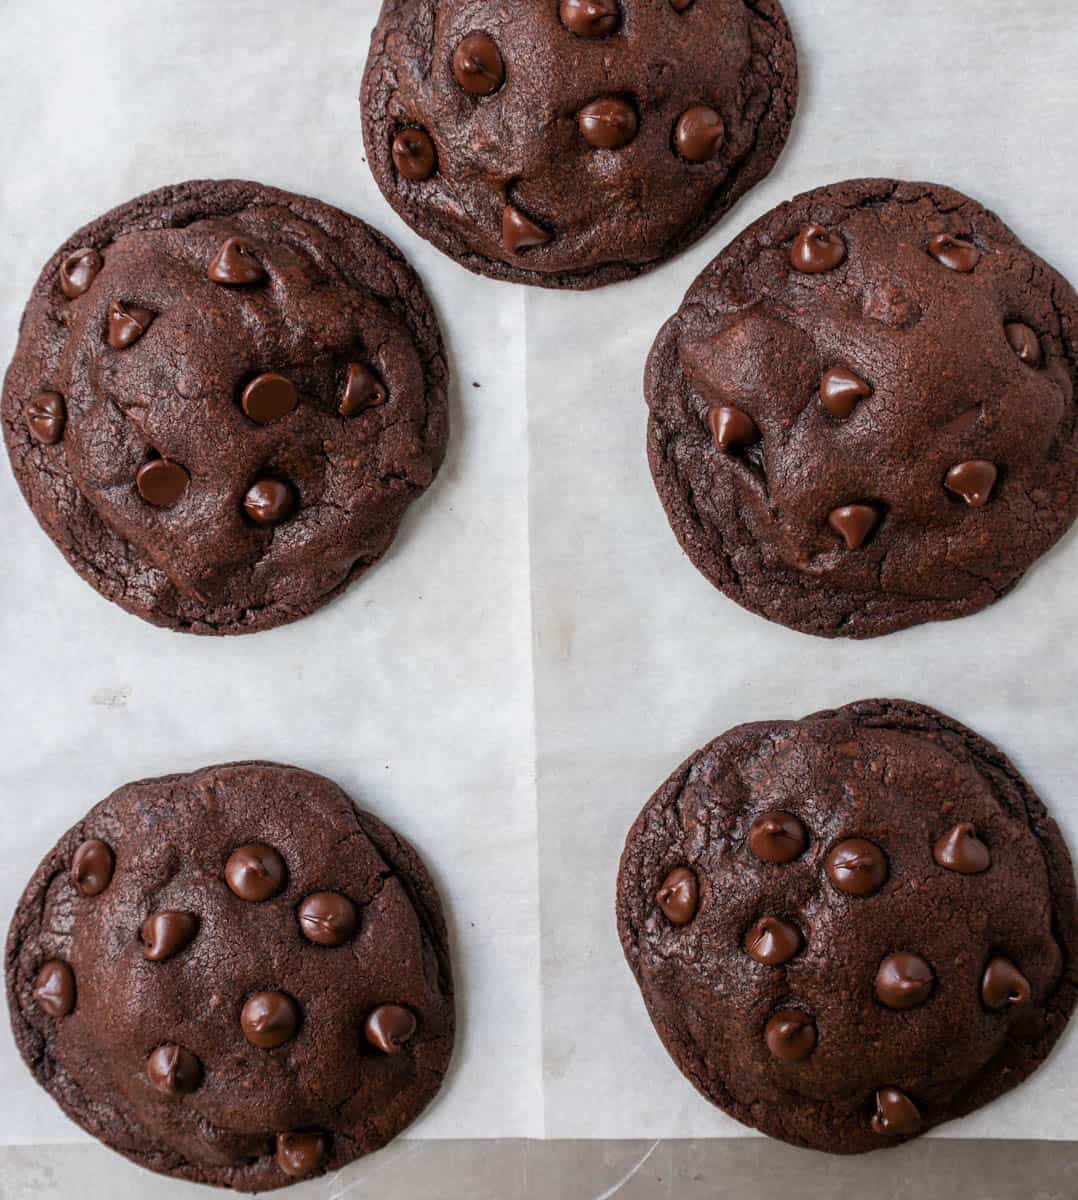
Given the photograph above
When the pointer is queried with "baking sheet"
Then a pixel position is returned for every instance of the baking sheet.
(535, 655)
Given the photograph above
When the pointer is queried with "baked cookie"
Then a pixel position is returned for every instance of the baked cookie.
(863, 415)
(233, 977)
(851, 928)
(576, 143)
(224, 398)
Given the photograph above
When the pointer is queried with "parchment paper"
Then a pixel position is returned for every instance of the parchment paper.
(535, 655)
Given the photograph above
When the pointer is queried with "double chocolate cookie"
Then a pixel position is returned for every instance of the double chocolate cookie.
(233, 977)
(863, 415)
(851, 928)
(575, 143)
(223, 400)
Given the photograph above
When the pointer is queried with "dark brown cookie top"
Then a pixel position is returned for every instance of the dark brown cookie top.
(576, 143)
(223, 399)
(863, 415)
(883, 931)
(233, 977)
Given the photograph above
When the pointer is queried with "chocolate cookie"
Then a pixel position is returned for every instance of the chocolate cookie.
(233, 977)
(863, 414)
(851, 928)
(578, 143)
(223, 399)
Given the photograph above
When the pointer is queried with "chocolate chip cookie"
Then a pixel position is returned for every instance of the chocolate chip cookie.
(851, 928)
(863, 415)
(223, 400)
(233, 977)
(579, 143)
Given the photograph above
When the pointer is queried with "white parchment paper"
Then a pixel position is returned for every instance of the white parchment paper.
(535, 655)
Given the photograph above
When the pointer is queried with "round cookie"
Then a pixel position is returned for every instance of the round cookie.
(851, 928)
(576, 143)
(233, 977)
(863, 415)
(223, 400)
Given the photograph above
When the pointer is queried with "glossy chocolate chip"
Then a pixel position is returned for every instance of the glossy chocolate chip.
(269, 502)
(904, 981)
(790, 1035)
(955, 253)
(520, 232)
(1003, 985)
(678, 896)
(973, 481)
(327, 918)
(54, 989)
(269, 1019)
(91, 867)
(477, 65)
(772, 941)
(127, 323)
(46, 416)
(777, 837)
(857, 867)
(731, 426)
(161, 482)
(362, 390)
(174, 1070)
(816, 250)
(389, 1027)
(590, 18)
(78, 271)
(235, 264)
(269, 397)
(896, 1114)
(167, 933)
(414, 155)
(840, 391)
(698, 134)
(300, 1154)
(961, 850)
(255, 872)
(854, 523)
(1025, 343)
(608, 123)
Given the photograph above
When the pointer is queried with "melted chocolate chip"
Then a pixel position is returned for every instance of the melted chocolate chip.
(678, 896)
(327, 918)
(235, 265)
(590, 18)
(300, 1154)
(961, 850)
(78, 271)
(269, 397)
(414, 155)
(608, 123)
(954, 253)
(520, 232)
(790, 1035)
(772, 941)
(255, 872)
(269, 1019)
(857, 867)
(167, 933)
(389, 1027)
(161, 482)
(698, 134)
(269, 502)
(904, 981)
(362, 390)
(816, 250)
(46, 416)
(853, 523)
(54, 989)
(731, 426)
(1003, 985)
(840, 390)
(127, 323)
(174, 1070)
(973, 481)
(1025, 343)
(896, 1114)
(777, 837)
(92, 866)
(477, 65)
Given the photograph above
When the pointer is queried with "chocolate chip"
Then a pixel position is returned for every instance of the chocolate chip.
(896, 1114)
(731, 426)
(772, 941)
(840, 390)
(777, 837)
(269, 501)
(955, 253)
(853, 523)
(389, 1027)
(608, 123)
(46, 416)
(698, 134)
(519, 232)
(255, 872)
(167, 933)
(174, 1070)
(327, 918)
(269, 1019)
(679, 896)
(904, 981)
(127, 323)
(362, 390)
(816, 250)
(477, 65)
(790, 1035)
(414, 155)
(961, 850)
(1025, 343)
(92, 866)
(1003, 985)
(269, 397)
(78, 271)
(300, 1154)
(857, 867)
(973, 481)
(54, 989)
(235, 264)
(590, 18)
(161, 482)
(681, 5)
